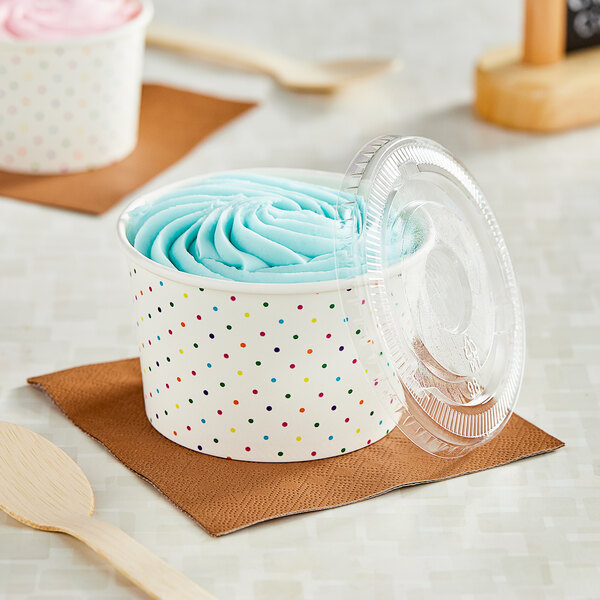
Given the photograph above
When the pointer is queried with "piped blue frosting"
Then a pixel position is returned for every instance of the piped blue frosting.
(251, 228)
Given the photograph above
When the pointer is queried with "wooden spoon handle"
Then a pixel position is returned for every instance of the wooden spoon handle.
(221, 51)
(137, 563)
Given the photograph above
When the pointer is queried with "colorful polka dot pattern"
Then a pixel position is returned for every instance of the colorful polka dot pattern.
(270, 378)
(69, 107)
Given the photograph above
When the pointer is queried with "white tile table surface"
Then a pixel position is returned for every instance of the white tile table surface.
(529, 530)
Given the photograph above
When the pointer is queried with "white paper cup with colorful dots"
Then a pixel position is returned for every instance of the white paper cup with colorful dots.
(421, 329)
(256, 372)
(71, 105)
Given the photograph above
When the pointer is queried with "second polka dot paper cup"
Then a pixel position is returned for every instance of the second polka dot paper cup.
(256, 372)
(72, 105)
(422, 329)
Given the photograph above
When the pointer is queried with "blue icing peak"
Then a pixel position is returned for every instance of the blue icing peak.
(246, 227)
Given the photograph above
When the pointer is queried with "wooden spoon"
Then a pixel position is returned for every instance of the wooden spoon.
(42, 487)
(319, 77)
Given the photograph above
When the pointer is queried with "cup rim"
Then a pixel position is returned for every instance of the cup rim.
(141, 20)
(168, 273)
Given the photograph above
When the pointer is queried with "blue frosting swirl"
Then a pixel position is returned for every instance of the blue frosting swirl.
(246, 227)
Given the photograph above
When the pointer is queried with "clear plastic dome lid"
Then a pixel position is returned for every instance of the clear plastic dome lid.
(430, 294)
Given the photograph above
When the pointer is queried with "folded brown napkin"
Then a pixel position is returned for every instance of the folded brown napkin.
(226, 495)
(172, 122)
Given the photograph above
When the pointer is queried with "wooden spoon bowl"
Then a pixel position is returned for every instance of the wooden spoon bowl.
(44, 488)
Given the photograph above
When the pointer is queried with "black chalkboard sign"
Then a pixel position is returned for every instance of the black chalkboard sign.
(583, 24)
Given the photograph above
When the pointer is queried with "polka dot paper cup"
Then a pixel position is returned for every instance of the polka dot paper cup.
(257, 372)
(72, 105)
(423, 329)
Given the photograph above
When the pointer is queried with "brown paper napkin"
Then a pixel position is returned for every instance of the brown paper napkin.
(106, 401)
(172, 122)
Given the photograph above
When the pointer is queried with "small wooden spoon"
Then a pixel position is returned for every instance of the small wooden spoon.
(323, 77)
(42, 487)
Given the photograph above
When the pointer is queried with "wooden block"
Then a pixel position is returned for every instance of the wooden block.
(545, 98)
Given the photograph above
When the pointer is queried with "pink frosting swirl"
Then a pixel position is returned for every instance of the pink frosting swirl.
(63, 19)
